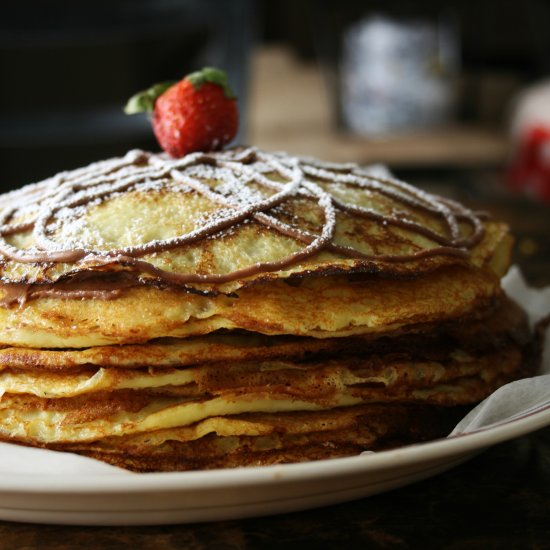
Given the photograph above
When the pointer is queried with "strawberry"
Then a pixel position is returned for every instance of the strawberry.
(198, 113)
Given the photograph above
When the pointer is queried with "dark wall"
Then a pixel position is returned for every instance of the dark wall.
(67, 69)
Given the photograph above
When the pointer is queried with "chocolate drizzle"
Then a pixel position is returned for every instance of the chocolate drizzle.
(281, 177)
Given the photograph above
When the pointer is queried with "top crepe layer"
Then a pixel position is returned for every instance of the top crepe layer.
(217, 222)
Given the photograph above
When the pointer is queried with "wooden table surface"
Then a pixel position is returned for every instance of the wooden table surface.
(498, 500)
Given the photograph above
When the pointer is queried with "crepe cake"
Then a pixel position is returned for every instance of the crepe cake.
(246, 308)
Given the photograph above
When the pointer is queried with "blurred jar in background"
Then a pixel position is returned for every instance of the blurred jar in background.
(529, 169)
(397, 75)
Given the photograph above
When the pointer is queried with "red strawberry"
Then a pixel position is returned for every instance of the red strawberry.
(198, 113)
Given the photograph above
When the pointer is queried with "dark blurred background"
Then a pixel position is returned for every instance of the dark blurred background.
(68, 68)
(429, 88)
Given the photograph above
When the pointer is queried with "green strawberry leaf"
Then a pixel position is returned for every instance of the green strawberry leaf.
(144, 101)
(214, 76)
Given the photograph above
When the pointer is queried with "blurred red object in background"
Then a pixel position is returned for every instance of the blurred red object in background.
(529, 171)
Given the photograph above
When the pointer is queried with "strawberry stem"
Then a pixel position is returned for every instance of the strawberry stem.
(144, 101)
(214, 76)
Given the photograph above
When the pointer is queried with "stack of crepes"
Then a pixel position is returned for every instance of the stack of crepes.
(246, 308)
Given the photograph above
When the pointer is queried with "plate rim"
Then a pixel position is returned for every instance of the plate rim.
(210, 480)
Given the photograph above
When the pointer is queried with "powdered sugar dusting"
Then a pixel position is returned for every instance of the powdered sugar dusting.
(243, 185)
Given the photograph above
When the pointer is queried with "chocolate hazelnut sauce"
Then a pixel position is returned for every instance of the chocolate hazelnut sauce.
(46, 203)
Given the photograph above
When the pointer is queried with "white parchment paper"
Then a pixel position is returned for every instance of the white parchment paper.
(525, 396)
(513, 400)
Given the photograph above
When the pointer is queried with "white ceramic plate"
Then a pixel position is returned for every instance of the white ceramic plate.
(147, 499)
